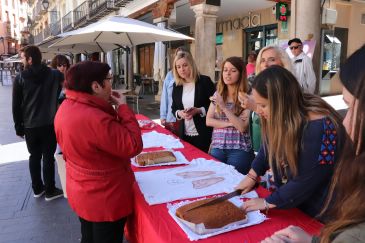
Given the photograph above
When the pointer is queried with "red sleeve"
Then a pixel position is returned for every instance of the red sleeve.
(122, 137)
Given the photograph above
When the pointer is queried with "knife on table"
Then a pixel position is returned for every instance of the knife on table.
(218, 199)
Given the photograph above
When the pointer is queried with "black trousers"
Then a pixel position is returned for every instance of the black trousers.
(102, 232)
(41, 143)
(198, 142)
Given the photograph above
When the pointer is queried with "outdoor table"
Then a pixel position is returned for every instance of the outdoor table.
(154, 224)
(124, 91)
(148, 82)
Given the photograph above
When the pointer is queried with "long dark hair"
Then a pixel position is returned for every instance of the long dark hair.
(289, 108)
(347, 193)
(240, 86)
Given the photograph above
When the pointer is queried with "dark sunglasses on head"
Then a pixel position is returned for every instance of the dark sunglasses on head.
(294, 47)
(60, 65)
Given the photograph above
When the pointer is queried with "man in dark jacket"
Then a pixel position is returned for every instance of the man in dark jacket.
(35, 94)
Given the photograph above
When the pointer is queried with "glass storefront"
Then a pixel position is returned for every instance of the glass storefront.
(333, 53)
(259, 37)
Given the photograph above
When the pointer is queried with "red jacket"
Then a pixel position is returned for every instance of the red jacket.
(97, 144)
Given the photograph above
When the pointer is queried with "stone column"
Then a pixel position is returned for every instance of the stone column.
(205, 34)
(306, 23)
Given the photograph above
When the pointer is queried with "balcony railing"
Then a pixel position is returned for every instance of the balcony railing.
(121, 3)
(38, 38)
(24, 41)
(101, 8)
(56, 28)
(8, 29)
(12, 50)
(25, 30)
(67, 22)
(46, 32)
(38, 11)
(81, 14)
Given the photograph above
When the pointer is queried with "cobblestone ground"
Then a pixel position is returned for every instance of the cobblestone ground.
(23, 218)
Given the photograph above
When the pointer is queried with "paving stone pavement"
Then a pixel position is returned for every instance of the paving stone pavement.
(26, 219)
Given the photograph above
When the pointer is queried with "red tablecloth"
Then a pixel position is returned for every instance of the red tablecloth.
(153, 224)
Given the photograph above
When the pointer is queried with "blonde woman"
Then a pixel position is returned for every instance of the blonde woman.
(272, 55)
(231, 142)
(301, 137)
(190, 101)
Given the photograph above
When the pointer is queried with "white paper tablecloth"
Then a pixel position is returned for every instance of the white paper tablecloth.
(156, 139)
(164, 185)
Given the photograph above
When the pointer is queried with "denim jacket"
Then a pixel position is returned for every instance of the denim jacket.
(166, 98)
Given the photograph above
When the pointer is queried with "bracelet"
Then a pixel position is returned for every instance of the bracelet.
(266, 207)
(252, 177)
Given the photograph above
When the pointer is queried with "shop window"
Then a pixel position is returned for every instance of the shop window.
(145, 59)
(333, 54)
(259, 37)
(218, 55)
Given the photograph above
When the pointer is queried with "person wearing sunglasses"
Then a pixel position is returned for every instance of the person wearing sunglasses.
(303, 66)
(62, 64)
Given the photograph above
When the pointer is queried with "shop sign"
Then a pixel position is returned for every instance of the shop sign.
(282, 12)
(252, 20)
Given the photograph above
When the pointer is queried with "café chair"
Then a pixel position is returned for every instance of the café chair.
(134, 96)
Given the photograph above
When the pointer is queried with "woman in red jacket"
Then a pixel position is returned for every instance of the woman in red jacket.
(97, 141)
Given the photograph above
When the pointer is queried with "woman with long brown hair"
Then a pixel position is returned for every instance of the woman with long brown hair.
(231, 142)
(301, 135)
(345, 205)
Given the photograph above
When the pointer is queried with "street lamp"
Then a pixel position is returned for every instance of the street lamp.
(45, 4)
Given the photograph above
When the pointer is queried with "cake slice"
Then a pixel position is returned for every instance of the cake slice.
(156, 157)
(212, 216)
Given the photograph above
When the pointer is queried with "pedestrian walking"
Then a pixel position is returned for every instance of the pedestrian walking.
(35, 95)
(62, 64)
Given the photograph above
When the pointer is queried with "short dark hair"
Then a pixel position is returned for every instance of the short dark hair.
(34, 53)
(296, 40)
(81, 75)
(59, 60)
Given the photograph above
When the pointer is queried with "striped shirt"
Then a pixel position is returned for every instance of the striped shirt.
(229, 137)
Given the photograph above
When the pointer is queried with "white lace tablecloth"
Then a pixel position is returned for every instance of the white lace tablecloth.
(200, 178)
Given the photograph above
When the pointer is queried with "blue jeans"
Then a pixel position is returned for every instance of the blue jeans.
(238, 158)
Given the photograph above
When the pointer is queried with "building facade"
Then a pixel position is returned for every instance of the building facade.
(221, 28)
(13, 26)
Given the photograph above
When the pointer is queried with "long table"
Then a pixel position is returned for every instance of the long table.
(153, 224)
